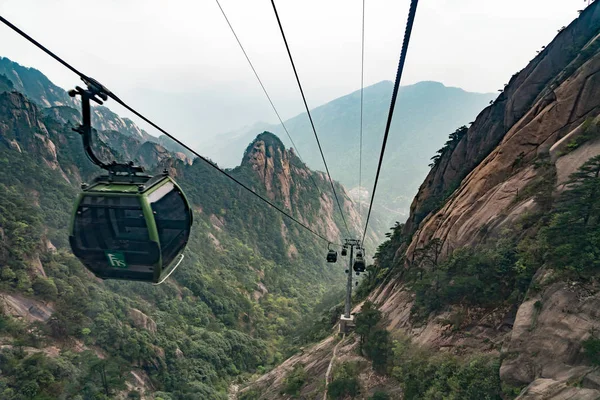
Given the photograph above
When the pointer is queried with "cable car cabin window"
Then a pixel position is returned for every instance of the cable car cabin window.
(172, 218)
(103, 221)
(113, 223)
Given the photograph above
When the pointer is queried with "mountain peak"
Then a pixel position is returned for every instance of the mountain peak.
(266, 142)
(435, 84)
(268, 138)
(268, 158)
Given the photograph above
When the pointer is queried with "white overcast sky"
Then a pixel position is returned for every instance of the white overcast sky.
(177, 60)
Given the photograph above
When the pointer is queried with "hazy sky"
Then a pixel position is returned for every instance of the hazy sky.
(178, 62)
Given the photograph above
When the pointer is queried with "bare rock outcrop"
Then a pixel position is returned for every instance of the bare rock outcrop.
(314, 361)
(488, 193)
(546, 341)
(141, 320)
(319, 363)
(549, 389)
(287, 181)
(20, 306)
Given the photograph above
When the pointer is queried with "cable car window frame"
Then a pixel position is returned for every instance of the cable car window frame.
(173, 244)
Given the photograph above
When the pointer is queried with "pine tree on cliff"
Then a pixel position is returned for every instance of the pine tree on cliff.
(574, 233)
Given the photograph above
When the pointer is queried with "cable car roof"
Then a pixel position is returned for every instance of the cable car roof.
(136, 184)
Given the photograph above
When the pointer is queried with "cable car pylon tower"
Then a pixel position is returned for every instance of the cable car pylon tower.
(347, 319)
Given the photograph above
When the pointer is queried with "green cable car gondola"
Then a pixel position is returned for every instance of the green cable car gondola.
(133, 229)
(127, 225)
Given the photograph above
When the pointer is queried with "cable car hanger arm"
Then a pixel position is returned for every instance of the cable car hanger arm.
(97, 93)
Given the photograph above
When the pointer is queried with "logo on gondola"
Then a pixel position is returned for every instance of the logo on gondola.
(116, 259)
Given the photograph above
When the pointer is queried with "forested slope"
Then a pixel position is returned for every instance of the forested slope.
(237, 305)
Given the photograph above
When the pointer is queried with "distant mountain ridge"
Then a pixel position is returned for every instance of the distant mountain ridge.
(426, 113)
(35, 85)
(57, 102)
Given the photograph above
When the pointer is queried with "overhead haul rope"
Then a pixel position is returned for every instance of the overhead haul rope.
(309, 115)
(409, 25)
(87, 79)
(265, 90)
(362, 81)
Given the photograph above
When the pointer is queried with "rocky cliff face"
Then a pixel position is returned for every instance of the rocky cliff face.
(35, 85)
(40, 90)
(104, 119)
(544, 348)
(488, 181)
(6, 84)
(287, 180)
(17, 131)
(529, 94)
(52, 129)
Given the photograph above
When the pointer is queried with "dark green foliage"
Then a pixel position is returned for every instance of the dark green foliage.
(134, 395)
(45, 288)
(367, 320)
(318, 323)
(21, 225)
(449, 146)
(373, 338)
(572, 235)
(484, 276)
(345, 383)
(377, 348)
(424, 375)
(386, 262)
(252, 394)
(343, 387)
(591, 347)
(295, 380)
(591, 131)
(68, 375)
(380, 396)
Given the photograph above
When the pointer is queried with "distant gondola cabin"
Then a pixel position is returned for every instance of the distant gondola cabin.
(359, 263)
(332, 256)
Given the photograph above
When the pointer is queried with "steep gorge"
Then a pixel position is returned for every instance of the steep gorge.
(490, 193)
